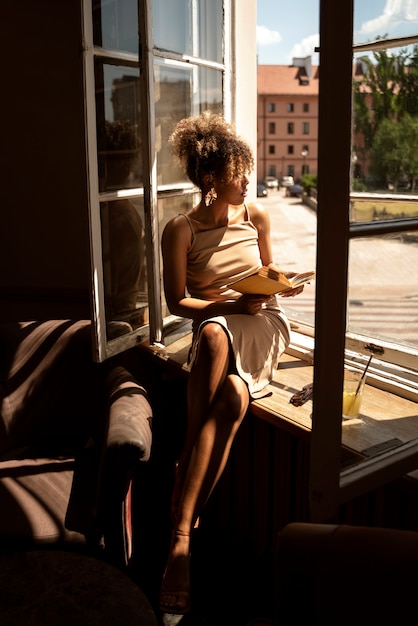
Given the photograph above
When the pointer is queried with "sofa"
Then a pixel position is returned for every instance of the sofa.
(73, 437)
(337, 574)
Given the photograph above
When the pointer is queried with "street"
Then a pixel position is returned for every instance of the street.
(383, 295)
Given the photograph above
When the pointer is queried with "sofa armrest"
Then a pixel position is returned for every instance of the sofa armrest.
(130, 416)
(127, 444)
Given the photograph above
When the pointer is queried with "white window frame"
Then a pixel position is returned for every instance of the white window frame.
(328, 485)
(154, 331)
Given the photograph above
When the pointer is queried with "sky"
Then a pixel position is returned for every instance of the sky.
(290, 29)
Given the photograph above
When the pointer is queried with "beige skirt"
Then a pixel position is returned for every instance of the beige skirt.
(257, 342)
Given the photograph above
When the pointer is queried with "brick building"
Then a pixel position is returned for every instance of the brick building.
(287, 119)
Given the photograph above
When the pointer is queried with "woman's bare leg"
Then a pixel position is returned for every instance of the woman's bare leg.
(217, 404)
(206, 378)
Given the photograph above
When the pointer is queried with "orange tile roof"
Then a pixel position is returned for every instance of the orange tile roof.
(285, 80)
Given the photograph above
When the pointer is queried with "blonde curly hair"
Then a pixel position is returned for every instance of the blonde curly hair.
(207, 144)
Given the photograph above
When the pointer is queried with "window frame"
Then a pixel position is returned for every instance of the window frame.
(330, 486)
(103, 347)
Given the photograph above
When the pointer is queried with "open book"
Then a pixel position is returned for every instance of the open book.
(267, 281)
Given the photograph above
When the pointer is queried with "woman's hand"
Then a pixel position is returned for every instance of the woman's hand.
(290, 293)
(251, 304)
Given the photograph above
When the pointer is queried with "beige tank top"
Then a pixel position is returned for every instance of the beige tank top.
(220, 256)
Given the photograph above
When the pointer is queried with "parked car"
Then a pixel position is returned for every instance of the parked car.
(271, 182)
(287, 181)
(294, 191)
(261, 190)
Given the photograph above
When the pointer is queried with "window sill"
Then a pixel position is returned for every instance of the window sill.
(386, 421)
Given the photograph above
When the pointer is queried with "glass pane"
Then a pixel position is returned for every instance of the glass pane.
(124, 265)
(180, 92)
(118, 126)
(385, 120)
(172, 25)
(115, 24)
(383, 288)
(173, 101)
(210, 90)
(377, 20)
(167, 209)
(210, 45)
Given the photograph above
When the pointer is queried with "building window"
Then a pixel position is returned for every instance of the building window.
(272, 149)
(290, 128)
(272, 128)
(305, 128)
(271, 107)
(306, 107)
(290, 107)
(290, 149)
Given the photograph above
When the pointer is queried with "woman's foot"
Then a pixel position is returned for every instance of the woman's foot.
(175, 588)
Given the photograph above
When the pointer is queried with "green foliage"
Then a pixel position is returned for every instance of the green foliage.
(308, 181)
(394, 156)
(389, 127)
(358, 185)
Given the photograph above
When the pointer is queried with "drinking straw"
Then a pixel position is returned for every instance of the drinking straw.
(359, 383)
(362, 376)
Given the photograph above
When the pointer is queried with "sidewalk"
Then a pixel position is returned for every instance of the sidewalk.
(383, 296)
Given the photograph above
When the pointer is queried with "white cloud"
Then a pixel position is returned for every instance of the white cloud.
(306, 47)
(395, 12)
(267, 37)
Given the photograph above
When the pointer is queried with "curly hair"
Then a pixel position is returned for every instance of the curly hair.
(207, 144)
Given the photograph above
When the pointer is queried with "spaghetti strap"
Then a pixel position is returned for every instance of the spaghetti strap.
(190, 225)
(247, 213)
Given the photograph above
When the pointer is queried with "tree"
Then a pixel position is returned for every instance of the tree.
(386, 102)
(394, 156)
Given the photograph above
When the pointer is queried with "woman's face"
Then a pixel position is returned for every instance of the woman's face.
(233, 192)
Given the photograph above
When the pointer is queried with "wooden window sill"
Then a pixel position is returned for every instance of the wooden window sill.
(386, 420)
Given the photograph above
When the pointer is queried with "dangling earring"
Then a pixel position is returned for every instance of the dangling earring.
(210, 196)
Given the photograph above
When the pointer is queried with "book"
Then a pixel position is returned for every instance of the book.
(267, 281)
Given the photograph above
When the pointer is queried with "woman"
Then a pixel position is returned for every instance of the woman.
(237, 339)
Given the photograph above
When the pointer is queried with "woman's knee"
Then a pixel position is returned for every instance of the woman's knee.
(213, 339)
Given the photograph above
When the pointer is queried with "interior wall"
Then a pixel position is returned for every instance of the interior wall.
(44, 234)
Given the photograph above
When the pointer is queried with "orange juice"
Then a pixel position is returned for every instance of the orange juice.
(351, 403)
(352, 392)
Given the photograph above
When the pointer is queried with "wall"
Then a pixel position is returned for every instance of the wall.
(44, 236)
(244, 77)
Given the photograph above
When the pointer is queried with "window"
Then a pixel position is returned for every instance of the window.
(272, 149)
(290, 107)
(305, 128)
(290, 128)
(132, 107)
(345, 235)
(306, 107)
(290, 149)
(271, 107)
(272, 128)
